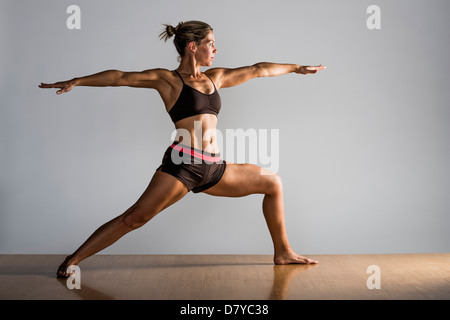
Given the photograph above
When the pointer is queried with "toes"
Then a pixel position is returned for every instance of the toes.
(62, 272)
(310, 261)
(62, 275)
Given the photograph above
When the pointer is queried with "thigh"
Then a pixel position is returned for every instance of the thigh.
(240, 180)
(162, 191)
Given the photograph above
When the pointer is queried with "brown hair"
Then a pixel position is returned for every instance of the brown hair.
(186, 32)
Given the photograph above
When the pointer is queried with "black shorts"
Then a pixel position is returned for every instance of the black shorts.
(197, 169)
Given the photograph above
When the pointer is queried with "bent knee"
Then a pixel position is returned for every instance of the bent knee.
(275, 184)
(136, 217)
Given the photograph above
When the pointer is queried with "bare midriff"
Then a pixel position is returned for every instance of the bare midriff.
(198, 132)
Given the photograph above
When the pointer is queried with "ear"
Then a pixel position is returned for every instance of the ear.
(192, 46)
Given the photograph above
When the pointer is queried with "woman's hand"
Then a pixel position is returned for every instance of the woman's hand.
(65, 86)
(308, 69)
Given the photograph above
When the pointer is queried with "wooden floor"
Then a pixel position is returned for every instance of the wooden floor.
(229, 277)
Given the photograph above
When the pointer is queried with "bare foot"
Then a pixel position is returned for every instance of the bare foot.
(62, 269)
(291, 257)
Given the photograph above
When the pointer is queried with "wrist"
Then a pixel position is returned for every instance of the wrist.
(298, 68)
(75, 81)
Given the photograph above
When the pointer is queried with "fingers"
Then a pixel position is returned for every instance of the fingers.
(46, 85)
(51, 85)
(317, 68)
(310, 69)
(59, 85)
(314, 69)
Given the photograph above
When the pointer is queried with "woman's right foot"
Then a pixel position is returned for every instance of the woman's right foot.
(290, 257)
(62, 269)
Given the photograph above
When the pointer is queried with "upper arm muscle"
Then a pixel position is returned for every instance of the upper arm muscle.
(143, 79)
(233, 77)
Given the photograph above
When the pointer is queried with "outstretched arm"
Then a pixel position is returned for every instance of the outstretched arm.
(111, 78)
(232, 77)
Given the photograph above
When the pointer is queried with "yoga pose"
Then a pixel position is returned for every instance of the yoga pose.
(191, 97)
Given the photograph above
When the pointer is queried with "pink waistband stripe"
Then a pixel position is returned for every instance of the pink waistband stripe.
(192, 152)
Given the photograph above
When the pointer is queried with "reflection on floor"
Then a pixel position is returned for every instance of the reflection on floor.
(229, 277)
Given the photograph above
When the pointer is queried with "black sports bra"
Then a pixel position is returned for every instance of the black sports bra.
(192, 102)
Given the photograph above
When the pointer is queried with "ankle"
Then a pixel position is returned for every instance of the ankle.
(283, 250)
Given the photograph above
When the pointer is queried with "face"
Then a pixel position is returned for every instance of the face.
(206, 50)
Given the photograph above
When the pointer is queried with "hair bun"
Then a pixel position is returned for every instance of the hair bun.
(168, 32)
(178, 27)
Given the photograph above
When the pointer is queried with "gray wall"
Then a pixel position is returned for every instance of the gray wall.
(364, 148)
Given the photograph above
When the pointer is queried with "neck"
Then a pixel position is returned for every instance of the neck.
(189, 66)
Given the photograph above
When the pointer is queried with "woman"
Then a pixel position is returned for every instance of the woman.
(191, 97)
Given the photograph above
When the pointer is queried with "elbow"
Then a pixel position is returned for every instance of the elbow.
(260, 70)
(119, 78)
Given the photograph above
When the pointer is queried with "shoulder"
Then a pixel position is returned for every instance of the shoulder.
(215, 72)
(164, 77)
(229, 77)
(157, 73)
(216, 75)
(150, 78)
